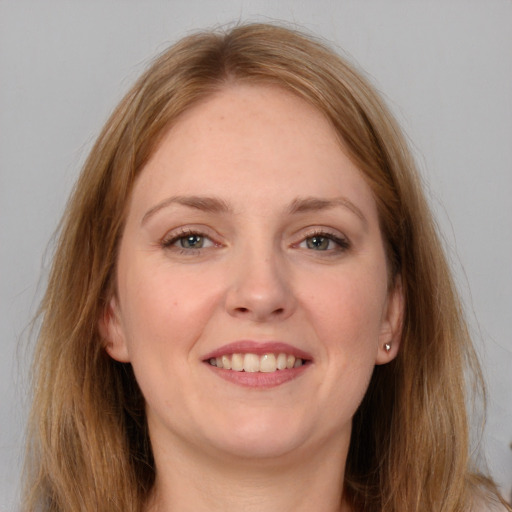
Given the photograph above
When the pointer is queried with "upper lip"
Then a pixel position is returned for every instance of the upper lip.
(258, 348)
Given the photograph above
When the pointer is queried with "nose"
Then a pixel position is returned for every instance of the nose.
(260, 289)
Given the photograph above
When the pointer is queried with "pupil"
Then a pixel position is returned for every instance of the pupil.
(318, 242)
(192, 241)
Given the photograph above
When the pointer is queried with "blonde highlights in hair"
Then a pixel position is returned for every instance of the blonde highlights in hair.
(88, 446)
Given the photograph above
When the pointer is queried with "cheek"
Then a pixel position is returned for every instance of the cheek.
(163, 308)
(346, 314)
(349, 309)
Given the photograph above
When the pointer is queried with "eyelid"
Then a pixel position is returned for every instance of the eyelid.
(342, 241)
(169, 240)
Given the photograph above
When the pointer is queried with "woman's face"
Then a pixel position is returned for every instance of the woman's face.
(252, 298)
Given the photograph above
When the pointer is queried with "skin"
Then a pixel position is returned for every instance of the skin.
(260, 275)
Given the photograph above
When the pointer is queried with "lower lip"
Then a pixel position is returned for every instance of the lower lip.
(259, 379)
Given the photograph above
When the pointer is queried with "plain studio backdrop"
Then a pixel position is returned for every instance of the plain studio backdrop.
(444, 67)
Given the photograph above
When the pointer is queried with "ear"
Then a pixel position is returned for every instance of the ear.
(391, 328)
(111, 331)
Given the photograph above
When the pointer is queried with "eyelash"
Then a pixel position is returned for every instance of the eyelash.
(169, 242)
(342, 243)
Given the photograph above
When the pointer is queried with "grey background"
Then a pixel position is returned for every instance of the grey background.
(445, 68)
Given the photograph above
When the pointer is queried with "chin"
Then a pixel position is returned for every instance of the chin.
(259, 447)
(260, 438)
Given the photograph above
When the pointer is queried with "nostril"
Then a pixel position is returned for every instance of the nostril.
(276, 312)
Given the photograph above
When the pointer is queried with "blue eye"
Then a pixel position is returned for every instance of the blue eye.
(187, 241)
(318, 243)
(324, 242)
(192, 241)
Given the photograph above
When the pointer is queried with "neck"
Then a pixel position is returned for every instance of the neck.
(190, 480)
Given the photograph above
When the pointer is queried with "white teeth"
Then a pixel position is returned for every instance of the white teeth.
(251, 363)
(226, 362)
(281, 361)
(237, 362)
(267, 363)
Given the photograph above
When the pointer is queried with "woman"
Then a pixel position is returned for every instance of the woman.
(249, 307)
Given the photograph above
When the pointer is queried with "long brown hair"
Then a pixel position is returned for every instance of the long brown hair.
(88, 447)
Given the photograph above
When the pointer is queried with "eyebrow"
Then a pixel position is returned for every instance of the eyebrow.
(314, 204)
(205, 204)
(217, 205)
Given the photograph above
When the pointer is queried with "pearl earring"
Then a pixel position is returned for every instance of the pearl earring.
(387, 347)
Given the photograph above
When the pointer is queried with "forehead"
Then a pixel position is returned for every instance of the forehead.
(247, 141)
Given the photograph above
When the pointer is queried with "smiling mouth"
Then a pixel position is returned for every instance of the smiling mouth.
(253, 363)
